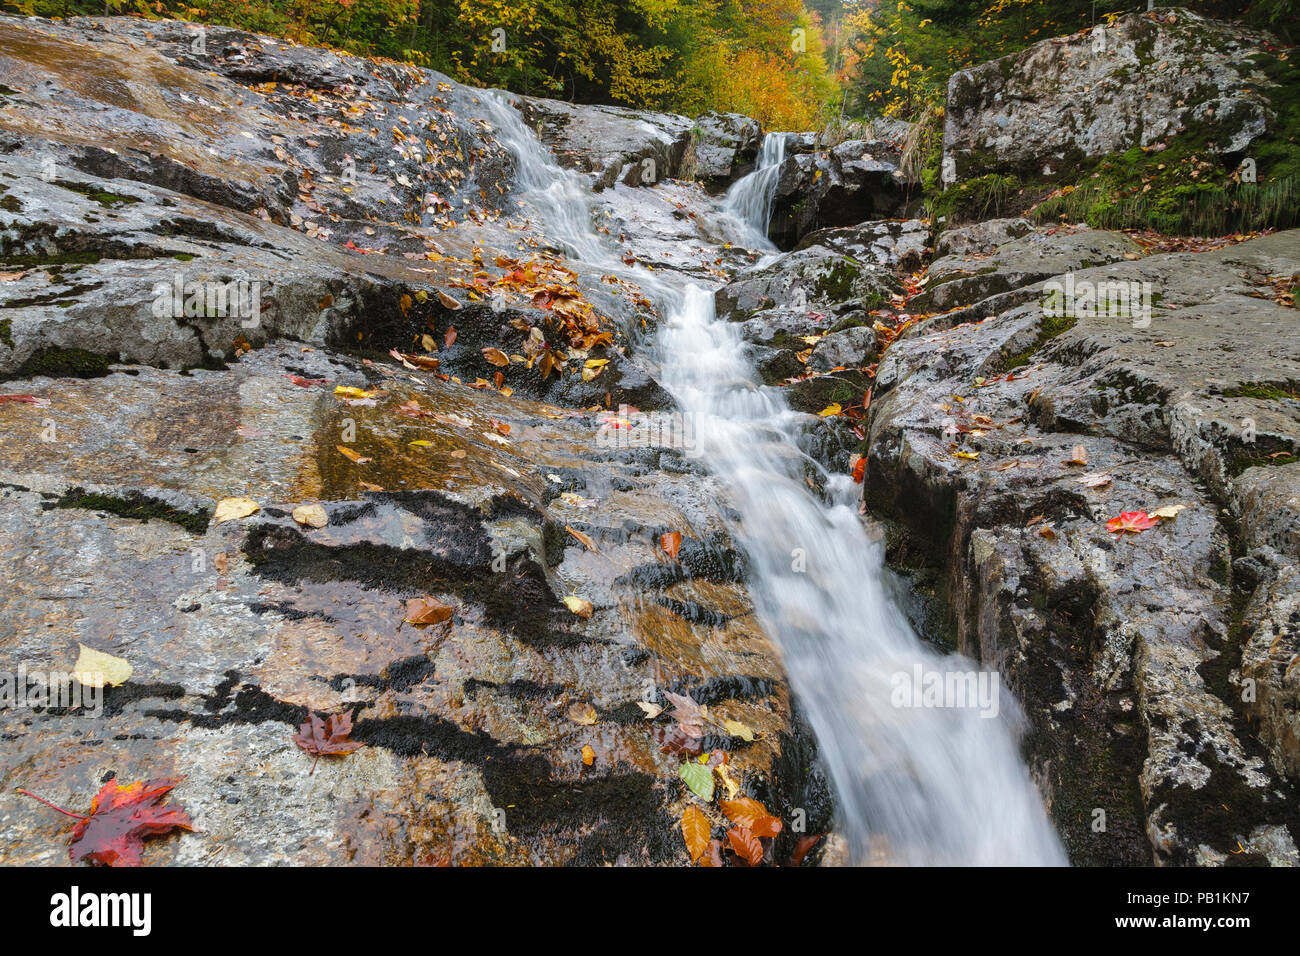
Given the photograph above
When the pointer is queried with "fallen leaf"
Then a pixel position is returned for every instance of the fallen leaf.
(747, 846)
(738, 729)
(352, 455)
(751, 815)
(1095, 479)
(1132, 522)
(831, 409)
(312, 516)
(579, 606)
(801, 848)
(582, 713)
(423, 612)
(651, 710)
(586, 541)
(696, 831)
(349, 391)
(121, 818)
(699, 778)
(228, 509)
(671, 543)
(449, 339)
(1078, 456)
(588, 755)
(1168, 511)
(95, 668)
(447, 302)
(329, 736)
(496, 356)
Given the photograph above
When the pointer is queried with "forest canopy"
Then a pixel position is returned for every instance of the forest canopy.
(791, 64)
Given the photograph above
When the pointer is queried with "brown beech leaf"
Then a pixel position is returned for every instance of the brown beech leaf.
(586, 541)
(802, 847)
(449, 339)
(329, 736)
(752, 815)
(1078, 456)
(713, 857)
(496, 356)
(581, 713)
(696, 832)
(425, 611)
(447, 301)
(671, 543)
(747, 846)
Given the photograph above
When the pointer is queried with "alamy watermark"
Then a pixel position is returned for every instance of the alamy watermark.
(629, 428)
(949, 689)
(24, 689)
(239, 298)
(1108, 298)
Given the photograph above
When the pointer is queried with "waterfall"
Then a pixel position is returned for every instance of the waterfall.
(914, 784)
(750, 198)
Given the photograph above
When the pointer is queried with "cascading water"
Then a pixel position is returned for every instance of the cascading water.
(750, 198)
(914, 784)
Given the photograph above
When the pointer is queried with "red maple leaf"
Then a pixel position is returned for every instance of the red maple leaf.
(328, 736)
(120, 819)
(1133, 522)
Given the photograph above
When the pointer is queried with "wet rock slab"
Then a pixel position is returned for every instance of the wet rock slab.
(236, 630)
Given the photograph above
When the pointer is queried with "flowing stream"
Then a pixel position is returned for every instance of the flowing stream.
(914, 784)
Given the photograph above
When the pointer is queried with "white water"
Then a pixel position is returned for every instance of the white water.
(914, 785)
(750, 199)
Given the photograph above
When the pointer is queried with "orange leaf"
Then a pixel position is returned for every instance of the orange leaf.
(747, 846)
(696, 831)
(671, 543)
(587, 542)
(425, 611)
(752, 815)
(588, 755)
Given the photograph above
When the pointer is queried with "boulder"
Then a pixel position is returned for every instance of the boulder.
(723, 147)
(1042, 112)
(898, 244)
(611, 143)
(850, 183)
(814, 278)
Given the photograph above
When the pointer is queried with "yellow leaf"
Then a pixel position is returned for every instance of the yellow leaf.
(737, 729)
(313, 516)
(228, 509)
(347, 391)
(95, 668)
(829, 410)
(588, 755)
(579, 606)
(1168, 511)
